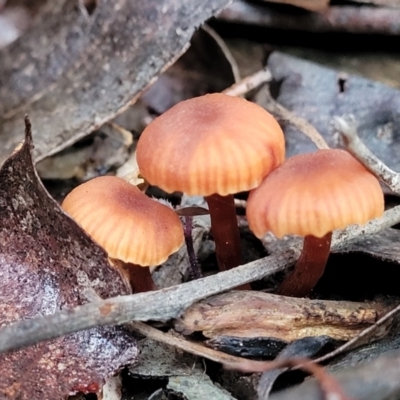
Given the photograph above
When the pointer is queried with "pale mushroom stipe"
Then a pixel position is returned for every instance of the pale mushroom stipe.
(213, 145)
(130, 226)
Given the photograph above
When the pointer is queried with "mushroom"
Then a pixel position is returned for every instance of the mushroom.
(213, 145)
(131, 227)
(311, 195)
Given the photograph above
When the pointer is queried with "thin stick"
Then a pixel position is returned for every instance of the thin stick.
(190, 347)
(347, 127)
(249, 83)
(363, 334)
(162, 305)
(264, 76)
(301, 124)
(328, 384)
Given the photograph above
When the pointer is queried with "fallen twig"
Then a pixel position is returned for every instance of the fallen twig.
(249, 83)
(353, 19)
(301, 124)
(329, 385)
(362, 335)
(190, 347)
(347, 127)
(371, 380)
(275, 108)
(162, 305)
(250, 314)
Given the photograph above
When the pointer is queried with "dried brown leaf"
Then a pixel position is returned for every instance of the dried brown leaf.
(317, 94)
(48, 263)
(77, 70)
(372, 380)
(257, 314)
(302, 348)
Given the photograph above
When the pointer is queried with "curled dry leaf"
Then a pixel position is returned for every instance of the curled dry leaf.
(47, 263)
(328, 385)
(257, 314)
(302, 348)
(376, 379)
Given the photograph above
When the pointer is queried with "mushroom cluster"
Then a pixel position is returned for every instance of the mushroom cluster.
(217, 145)
(213, 145)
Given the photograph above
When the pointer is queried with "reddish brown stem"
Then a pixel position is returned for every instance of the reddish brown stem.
(225, 230)
(309, 267)
(140, 278)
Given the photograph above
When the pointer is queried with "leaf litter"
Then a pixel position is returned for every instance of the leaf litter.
(79, 78)
(312, 92)
(380, 138)
(49, 264)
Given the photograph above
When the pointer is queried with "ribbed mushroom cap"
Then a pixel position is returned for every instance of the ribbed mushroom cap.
(130, 226)
(313, 194)
(210, 144)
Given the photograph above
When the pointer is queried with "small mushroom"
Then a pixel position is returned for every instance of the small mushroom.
(311, 195)
(213, 145)
(130, 226)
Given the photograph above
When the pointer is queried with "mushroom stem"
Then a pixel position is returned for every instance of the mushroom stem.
(140, 278)
(225, 230)
(309, 267)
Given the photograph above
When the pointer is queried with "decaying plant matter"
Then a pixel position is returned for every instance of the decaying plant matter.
(114, 52)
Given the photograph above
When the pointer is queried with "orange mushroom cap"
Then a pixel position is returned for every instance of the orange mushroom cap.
(211, 144)
(130, 226)
(313, 194)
